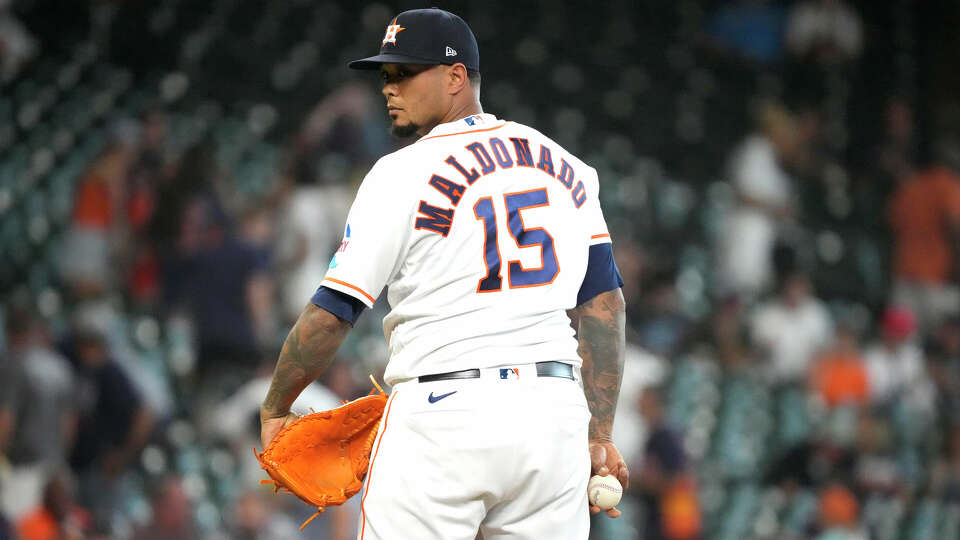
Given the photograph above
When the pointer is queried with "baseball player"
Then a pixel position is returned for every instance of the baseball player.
(490, 241)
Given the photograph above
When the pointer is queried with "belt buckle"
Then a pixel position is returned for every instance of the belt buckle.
(507, 374)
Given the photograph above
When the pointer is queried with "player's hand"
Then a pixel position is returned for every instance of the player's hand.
(605, 459)
(269, 427)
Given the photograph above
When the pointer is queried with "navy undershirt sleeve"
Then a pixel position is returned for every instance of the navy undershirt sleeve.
(340, 304)
(602, 273)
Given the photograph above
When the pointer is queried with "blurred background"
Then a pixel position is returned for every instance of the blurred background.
(780, 178)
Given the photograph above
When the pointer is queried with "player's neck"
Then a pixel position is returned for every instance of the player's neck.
(457, 112)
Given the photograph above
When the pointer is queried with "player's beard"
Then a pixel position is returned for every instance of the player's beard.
(404, 131)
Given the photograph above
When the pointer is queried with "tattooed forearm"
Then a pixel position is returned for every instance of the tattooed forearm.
(600, 330)
(306, 354)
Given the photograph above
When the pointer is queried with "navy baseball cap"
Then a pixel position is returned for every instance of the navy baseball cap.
(425, 36)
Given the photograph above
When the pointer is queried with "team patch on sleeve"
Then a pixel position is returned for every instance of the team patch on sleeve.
(343, 248)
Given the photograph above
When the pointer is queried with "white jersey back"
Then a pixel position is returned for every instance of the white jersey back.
(481, 233)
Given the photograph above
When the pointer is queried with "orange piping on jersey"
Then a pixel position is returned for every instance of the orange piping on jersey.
(354, 287)
(383, 431)
(604, 235)
(463, 132)
(523, 226)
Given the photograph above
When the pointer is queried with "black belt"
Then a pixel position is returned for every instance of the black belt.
(544, 369)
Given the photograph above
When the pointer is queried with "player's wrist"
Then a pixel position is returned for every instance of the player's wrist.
(270, 414)
(600, 431)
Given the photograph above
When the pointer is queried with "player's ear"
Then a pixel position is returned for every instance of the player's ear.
(457, 78)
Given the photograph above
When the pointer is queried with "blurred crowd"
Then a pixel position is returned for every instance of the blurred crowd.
(162, 240)
(772, 387)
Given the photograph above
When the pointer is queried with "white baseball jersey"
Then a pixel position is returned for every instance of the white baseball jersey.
(481, 232)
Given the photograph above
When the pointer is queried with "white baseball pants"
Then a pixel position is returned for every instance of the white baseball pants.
(505, 457)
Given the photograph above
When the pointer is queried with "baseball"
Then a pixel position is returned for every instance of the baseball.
(604, 491)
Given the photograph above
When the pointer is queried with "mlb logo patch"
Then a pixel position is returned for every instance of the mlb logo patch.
(509, 373)
(472, 120)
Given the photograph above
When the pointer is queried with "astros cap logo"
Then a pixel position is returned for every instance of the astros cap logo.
(391, 35)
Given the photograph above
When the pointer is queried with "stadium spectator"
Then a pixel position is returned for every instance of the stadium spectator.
(877, 470)
(198, 176)
(641, 370)
(662, 327)
(148, 170)
(924, 214)
(152, 152)
(257, 519)
(896, 365)
(876, 174)
(257, 231)
(340, 137)
(254, 516)
(114, 421)
(943, 366)
(839, 514)
(751, 30)
(341, 381)
(665, 483)
(59, 517)
(727, 333)
(827, 31)
(171, 516)
(839, 375)
(88, 260)
(765, 202)
(789, 330)
(37, 416)
(38, 394)
(827, 456)
(897, 153)
(222, 284)
(631, 260)
(310, 229)
(208, 273)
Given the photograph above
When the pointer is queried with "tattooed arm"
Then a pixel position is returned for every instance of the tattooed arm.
(599, 323)
(306, 354)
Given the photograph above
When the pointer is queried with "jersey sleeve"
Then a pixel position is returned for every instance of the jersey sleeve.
(340, 304)
(374, 239)
(594, 222)
(602, 274)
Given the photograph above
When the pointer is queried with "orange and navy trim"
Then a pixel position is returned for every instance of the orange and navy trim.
(351, 286)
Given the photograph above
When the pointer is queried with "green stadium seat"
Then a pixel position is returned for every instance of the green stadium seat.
(799, 513)
(793, 419)
(738, 517)
(924, 522)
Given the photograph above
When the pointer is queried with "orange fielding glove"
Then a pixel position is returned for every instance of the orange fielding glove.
(323, 457)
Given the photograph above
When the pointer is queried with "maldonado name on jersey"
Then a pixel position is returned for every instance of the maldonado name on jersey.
(490, 157)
